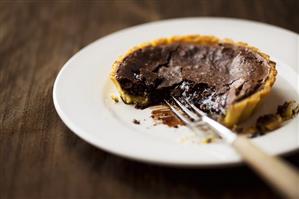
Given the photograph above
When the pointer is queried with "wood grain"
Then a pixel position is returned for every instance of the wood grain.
(41, 158)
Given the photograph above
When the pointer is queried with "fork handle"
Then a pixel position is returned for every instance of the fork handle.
(278, 173)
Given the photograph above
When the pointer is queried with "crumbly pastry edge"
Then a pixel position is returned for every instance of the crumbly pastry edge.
(235, 113)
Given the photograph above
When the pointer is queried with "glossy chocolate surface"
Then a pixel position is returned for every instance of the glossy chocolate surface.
(212, 76)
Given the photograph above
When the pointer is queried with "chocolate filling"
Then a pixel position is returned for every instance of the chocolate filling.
(211, 76)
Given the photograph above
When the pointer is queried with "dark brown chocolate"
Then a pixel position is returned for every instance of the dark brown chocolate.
(212, 76)
(136, 121)
(162, 114)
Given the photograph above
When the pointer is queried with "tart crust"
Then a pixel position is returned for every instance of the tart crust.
(237, 111)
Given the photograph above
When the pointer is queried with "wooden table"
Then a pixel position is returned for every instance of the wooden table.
(41, 158)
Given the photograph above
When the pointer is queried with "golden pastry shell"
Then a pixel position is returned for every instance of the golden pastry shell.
(236, 112)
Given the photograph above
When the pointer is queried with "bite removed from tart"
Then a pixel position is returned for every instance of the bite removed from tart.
(223, 78)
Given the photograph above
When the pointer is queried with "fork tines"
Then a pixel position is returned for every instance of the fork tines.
(191, 116)
(194, 117)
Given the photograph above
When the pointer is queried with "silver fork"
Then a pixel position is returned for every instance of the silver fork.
(278, 173)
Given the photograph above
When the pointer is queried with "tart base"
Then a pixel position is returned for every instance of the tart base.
(237, 111)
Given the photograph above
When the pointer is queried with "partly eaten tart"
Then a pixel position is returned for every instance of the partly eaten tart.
(226, 79)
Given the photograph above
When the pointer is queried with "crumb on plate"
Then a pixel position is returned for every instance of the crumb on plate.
(136, 121)
(114, 98)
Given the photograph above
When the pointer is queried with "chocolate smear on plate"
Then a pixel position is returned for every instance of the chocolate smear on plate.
(163, 115)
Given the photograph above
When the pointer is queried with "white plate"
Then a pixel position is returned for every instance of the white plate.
(82, 95)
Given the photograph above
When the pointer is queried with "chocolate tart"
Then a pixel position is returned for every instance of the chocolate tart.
(226, 79)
